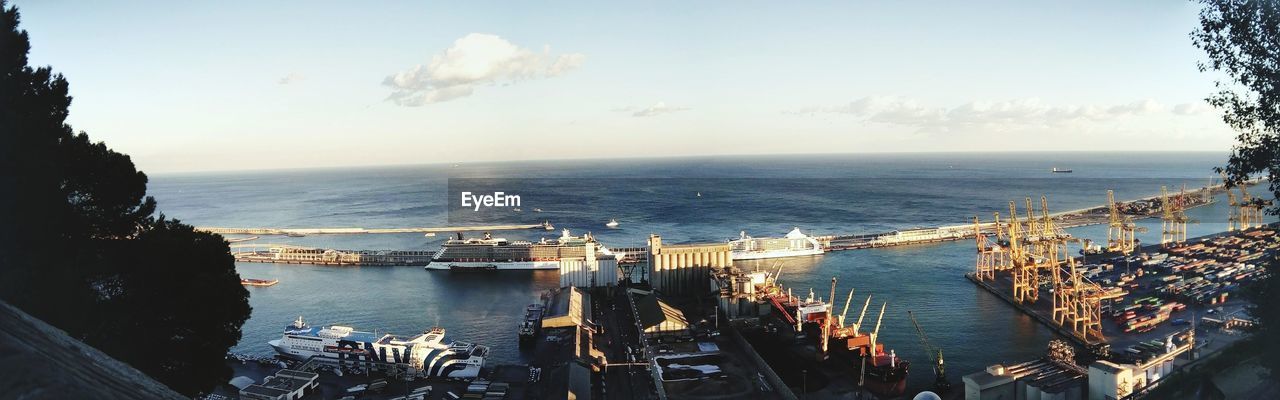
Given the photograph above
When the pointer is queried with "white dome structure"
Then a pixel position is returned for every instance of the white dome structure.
(927, 395)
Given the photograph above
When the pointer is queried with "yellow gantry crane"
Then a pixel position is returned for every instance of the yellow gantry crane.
(1173, 229)
(1041, 245)
(1026, 279)
(990, 255)
(1246, 212)
(1233, 220)
(1121, 230)
(1250, 208)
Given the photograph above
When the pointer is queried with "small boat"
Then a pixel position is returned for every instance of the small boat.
(517, 209)
(699, 194)
(1060, 171)
(258, 282)
(537, 210)
(430, 234)
(613, 223)
(546, 225)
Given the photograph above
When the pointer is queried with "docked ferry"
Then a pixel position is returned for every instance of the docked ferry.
(426, 354)
(491, 253)
(794, 244)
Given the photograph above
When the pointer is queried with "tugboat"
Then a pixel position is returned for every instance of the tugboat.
(531, 325)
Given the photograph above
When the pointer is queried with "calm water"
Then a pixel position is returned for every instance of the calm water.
(764, 195)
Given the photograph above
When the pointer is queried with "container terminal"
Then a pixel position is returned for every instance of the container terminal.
(1134, 308)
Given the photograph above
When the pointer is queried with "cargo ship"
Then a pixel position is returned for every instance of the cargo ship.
(426, 354)
(794, 244)
(880, 372)
(488, 253)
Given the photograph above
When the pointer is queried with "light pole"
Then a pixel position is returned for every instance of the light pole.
(804, 383)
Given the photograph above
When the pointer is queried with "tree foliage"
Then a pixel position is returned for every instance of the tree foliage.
(1242, 41)
(82, 248)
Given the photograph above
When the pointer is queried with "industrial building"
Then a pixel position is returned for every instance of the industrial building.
(1059, 378)
(593, 269)
(679, 269)
(567, 307)
(1041, 379)
(1145, 364)
(286, 384)
(737, 293)
(655, 318)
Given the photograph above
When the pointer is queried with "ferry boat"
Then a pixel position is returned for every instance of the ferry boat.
(491, 253)
(794, 244)
(426, 354)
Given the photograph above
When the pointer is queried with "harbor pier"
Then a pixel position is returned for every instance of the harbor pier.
(365, 231)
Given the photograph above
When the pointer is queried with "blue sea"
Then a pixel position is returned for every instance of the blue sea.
(684, 200)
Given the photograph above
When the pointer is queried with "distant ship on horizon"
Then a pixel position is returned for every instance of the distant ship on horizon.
(1056, 170)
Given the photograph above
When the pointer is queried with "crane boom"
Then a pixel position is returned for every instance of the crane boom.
(939, 370)
(847, 300)
(924, 340)
(858, 326)
(875, 334)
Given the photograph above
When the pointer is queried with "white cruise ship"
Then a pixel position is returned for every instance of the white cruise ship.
(490, 253)
(794, 244)
(426, 354)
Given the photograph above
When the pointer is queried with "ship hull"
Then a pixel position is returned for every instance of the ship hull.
(761, 255)
(883, 380)
(494, 265)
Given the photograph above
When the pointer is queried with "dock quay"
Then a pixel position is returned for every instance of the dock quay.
(364, 231)
(1142, 208)
(290, 254)
(1157, 291)
(1002, 291)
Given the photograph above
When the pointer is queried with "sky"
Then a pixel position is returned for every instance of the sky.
(207, 86)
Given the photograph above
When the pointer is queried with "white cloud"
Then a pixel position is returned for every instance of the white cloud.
(658, 108)
(1192, 108)
(290, 78)
(992, 115)
(474, 60)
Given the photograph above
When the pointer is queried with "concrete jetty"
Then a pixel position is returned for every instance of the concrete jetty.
(362, 231)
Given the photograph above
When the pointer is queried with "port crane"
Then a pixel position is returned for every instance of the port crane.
(1249, 214)
(1121, 230)
(1025, 277)
(1040, 244)
(990, 255)
(939, 368)
(1251, 208)
(1174, 217)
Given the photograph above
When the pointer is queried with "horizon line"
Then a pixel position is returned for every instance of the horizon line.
(731, 155)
